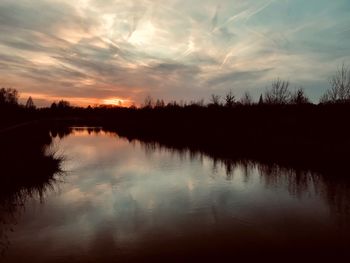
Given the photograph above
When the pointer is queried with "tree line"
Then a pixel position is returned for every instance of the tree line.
(278, 94)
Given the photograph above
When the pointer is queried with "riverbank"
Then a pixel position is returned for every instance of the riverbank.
(308, 137)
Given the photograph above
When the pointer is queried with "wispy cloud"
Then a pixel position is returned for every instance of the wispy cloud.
(175, 49)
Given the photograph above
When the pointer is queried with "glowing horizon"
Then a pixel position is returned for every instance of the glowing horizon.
(77, 101)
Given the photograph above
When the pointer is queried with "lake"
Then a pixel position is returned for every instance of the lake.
(121, 200)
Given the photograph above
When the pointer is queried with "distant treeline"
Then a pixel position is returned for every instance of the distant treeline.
(278, 94)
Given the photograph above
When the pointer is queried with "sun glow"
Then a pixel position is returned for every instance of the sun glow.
(78, 101)
(117, 102)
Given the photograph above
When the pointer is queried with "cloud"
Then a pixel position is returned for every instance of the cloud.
(169, 49)
(41, 15)
(234, 77)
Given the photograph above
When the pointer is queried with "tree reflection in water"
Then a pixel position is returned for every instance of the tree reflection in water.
(28, 170)
(332, 183)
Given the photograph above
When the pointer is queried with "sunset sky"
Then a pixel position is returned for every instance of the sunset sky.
(106, 51)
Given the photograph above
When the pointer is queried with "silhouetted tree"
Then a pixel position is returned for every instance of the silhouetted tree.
(160, 103)
(215, 100)
(132, 106)
(278, 94)
(8, 97)
(62, 104)
(299, 97)
(30, 103)
(340, 86)
(173, 104)
(246, 99)
(324, 98)
(53, 106)
(148, 102)
(261, 99)
(230, 99)
(199, 103)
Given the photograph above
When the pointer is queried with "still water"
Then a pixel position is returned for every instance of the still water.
(121, 201)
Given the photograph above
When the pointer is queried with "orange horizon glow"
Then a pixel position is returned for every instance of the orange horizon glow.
(81, 101)
(117, 101)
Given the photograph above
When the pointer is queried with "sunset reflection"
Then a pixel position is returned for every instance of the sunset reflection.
(133, 199)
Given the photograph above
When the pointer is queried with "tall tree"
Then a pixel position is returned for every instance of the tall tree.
(278, 94)
(340, 86)
(246, 99)
(8, 96)
(299, 97)
(148, 102)
(30, 103)
(261, 99)
(230, 99)
(215, 100)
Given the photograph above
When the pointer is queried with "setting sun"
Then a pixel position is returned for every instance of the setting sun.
(117, 102)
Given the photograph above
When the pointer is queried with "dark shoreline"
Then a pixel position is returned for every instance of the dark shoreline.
(304, 137)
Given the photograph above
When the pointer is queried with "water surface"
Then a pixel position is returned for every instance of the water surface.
(121, 201)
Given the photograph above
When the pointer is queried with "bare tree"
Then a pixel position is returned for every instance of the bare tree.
(340, 86)
(230, 99)
(324, 98)
(299, 97)
(279, 93)
(215, 100)
(148, 102)
(160, 103)
(198, 103)
(8, 96)
(246, 99)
